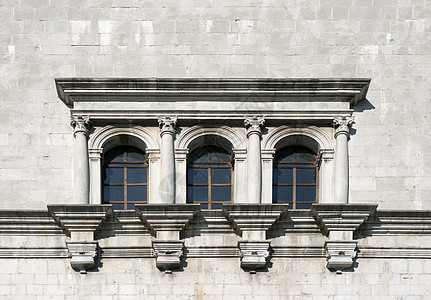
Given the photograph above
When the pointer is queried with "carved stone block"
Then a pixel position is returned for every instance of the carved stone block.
(168, 254)
(82, 255)
(254, 254)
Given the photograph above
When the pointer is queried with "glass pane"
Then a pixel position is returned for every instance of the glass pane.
(199, 155)
(305, 193)
(305, 157)
(219, 156)
(303, 205)
(197, 194)
(221, 193)
(305, 175)
(282, 175)
(113, 193)
(204, 206)
(130, 206)
(135, 155)
(216, 205)
(115, 155)
(282, 194)
(284, 155)
(136, 193)
(221, 176)
(114, 175)
(197, 176)
(136, 175)
(117, 205)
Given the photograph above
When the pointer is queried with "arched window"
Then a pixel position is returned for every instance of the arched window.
(295, 177)
(125, 177)
(209, 177)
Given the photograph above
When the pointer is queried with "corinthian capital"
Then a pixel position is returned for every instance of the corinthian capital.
(253, 125)
(342, 125)
(167, 124)
(80, 124)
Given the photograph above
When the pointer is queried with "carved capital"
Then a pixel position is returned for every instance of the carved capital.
(80, 124)
(253, 125)
(167, 125)
(342, 125)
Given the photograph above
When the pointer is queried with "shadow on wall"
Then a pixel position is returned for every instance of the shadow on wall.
(361, 107)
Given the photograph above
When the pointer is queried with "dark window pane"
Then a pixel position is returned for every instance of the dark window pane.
(303, 205)
(221, 193)
(130, 206)
(136, 193)
(305, 193)
(135, 155)
(305, 175)
(282, 175)
(197, 194)
(197, 176)
(284, 155)
(115, 155)
(199, 155)
(282, 194)
(204, 206)
(136, 175)
(305, 157)
(117, 205)
(219, 156)
(113, 193)
(114, 175)
(216, 205)
(221, 176)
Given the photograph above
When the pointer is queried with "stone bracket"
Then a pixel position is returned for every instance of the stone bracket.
(339, 222)
(340, 255)
(81, 222)
(83, 255)
(254, 254)
(253, 220)
(168, 254)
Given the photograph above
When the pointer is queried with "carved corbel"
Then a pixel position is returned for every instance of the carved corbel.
(81, 222)
(253, 221)
(339, 222)
(167, 222)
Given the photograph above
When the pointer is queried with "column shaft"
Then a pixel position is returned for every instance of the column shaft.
(341, 190)
(167, 155)
(81, 170)
(254, 161)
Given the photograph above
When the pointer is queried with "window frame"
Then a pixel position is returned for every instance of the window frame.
(125, 166)
(294, 166)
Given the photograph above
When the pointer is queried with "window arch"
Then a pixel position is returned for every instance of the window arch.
(295, 177)
(125, 177)
(209, 177)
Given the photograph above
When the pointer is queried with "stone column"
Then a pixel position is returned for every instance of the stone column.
(254, 164)
(342, 133)
(167, 153)
(81, 171)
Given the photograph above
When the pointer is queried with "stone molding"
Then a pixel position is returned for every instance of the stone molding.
(340, 249)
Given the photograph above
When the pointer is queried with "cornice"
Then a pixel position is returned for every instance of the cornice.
(73, 90)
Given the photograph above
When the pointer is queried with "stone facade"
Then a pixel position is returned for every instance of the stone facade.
(53, 245)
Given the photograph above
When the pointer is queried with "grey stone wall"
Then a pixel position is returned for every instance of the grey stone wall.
(207, 279)
(388, 41)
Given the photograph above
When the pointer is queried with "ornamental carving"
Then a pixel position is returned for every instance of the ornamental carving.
(167, 124)
(253, 125)
(80, 124)
(342, 125)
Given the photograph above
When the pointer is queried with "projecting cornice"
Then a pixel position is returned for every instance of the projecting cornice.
(200, 98)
